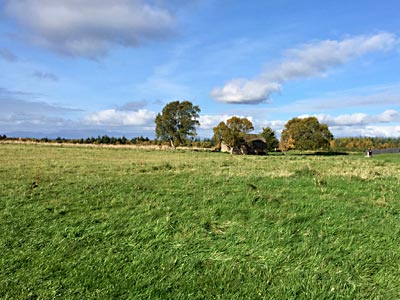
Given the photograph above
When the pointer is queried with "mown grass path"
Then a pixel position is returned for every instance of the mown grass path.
(104, 223)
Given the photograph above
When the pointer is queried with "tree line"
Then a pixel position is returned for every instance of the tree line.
(362, 143)
(178, 120)
(104, 139)
(337, 144)
(110, 140)
(176, 126)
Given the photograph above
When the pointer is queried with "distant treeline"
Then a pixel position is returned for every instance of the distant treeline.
(339, 144)
(363, 143)
(110, 140)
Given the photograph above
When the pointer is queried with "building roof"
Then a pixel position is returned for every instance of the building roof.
(254, 137)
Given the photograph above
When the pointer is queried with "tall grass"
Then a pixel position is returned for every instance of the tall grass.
(102, 223)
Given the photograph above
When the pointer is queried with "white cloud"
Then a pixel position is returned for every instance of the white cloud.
(313, 59)
(368, 131)
(390, 115)
(316, 58)
(112, 117)
(210, 121)
(357, 119)
(245, 91)
(361, 124)
(20, 117)
(24, 115)
(274, 124)
(385, 131)
(345, 125)
(89, 28)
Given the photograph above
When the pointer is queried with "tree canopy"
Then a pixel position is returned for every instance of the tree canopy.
(232, 132)
(177, 122)
(305, 134)
(270, 139)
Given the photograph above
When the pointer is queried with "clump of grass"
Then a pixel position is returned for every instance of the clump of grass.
(165, 166)
(214, 227)
(305, 172)
(380, 163)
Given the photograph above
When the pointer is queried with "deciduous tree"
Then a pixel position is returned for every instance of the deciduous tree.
(232, 132)
(305, 134)
(177, 122)
(269, 135)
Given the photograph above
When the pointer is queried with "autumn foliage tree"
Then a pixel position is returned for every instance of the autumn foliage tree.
(305, 134)
(177, 122)
(232, 132)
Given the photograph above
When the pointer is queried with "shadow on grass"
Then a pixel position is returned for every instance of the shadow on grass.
(322, 153)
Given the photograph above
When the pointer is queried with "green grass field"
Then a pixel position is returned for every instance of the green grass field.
(115, 223)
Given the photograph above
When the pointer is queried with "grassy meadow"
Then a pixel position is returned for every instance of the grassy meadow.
(123, 223)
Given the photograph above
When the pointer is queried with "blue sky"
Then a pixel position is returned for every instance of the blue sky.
(78, 68)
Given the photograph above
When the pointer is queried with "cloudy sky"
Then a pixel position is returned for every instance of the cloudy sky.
(78, 68)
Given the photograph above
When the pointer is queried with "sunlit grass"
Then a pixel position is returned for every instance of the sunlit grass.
(104, 223)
